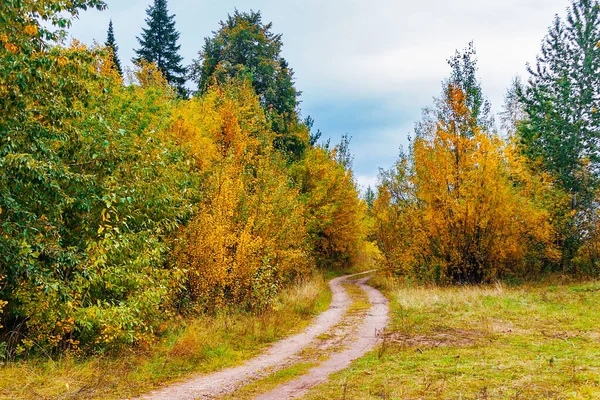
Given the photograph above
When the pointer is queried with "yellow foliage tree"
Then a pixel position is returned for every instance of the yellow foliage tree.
(336, 216)
(248, 237)
(465, 208)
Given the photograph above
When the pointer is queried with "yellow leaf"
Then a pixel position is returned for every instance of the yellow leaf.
(31, 30)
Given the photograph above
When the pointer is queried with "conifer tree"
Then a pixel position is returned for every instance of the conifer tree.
(158, 44)
(244, 45)
(112, 45)
(562, 127)
(563, 96)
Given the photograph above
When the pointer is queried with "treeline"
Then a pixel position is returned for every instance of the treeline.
(466, 204)
(125, 204)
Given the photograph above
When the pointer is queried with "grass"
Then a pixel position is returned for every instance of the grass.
(270, 382)
(202, 345)
(481, 342)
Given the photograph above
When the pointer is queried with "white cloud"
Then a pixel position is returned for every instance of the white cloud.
(388, 52)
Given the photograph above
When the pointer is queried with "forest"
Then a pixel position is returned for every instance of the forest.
(130, 201)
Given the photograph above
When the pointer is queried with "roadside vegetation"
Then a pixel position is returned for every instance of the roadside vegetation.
(194, 345)
(125, 205)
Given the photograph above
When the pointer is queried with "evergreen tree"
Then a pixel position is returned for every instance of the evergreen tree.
(562, 99)
(562, 128)
(112, 45)
(314, 136)
(158, 44)
(244, 45)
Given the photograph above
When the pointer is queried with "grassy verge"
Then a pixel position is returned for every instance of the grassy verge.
(201, 345)
(484, 342)
(269, 383)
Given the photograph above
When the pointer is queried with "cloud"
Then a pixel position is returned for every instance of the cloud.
(366, 68)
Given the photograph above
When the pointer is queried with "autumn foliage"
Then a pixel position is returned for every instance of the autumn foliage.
(122, 205)
(248, 237)
(464, 207)
(335, 215)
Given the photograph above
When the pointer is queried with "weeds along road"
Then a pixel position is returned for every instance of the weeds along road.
(358, 337)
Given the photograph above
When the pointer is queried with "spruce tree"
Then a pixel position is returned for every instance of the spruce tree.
(112, 45)
(562, 99)
(244, 45)
(158, 44)
(561, 102)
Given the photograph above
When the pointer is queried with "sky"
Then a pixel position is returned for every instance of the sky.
(365, 68)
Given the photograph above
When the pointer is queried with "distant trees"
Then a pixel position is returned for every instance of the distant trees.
(335, 214)
(244, 45)
(112, 45)
(158, 44)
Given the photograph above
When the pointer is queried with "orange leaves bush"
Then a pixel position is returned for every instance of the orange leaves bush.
(248, 236)
(464, 208)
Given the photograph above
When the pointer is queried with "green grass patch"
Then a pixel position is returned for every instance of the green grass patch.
(481, 342)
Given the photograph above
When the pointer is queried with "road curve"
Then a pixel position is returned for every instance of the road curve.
(278, 355)
(367, 337)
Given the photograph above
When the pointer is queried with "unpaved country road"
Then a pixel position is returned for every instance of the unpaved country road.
(366, 339)
(281, 354)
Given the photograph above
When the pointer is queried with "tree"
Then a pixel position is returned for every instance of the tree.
(464, 77)
(463, 208)
(84, 217)
(244, 45)
(314, 136)
(512, 111)
(158, 44)
(249, 236)
(563, 98)
(343, 155)
(112, 45)
(561, 101)
(335, 214)
(370, 197)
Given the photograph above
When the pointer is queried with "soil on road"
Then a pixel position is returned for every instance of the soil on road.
(359, 339)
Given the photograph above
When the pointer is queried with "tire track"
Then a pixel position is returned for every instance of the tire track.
(366, 339)
(277, 357)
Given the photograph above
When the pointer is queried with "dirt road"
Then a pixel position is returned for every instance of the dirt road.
(282, 353)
